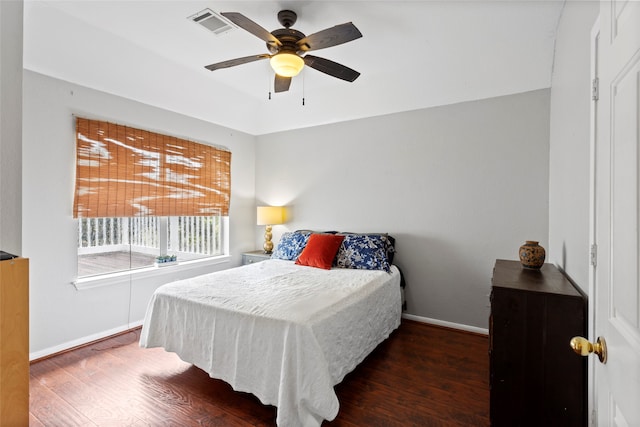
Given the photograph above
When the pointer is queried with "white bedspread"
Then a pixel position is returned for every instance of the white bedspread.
(284, 332)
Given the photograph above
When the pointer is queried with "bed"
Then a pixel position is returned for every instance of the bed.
(284, 330)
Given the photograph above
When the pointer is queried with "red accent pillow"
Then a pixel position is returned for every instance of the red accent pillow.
(320, 251)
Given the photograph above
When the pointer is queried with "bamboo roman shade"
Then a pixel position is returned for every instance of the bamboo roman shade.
(124, 172)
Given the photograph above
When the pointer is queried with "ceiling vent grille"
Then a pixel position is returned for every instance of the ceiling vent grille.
(212, 21)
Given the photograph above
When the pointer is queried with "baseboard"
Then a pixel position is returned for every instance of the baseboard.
(467, 328)
(81, 341)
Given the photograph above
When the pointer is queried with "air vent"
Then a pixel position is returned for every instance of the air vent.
(212, 21)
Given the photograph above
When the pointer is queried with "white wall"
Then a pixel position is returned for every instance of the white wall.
(60, 315)
(569, 142)
(11, 13)
(458, 186)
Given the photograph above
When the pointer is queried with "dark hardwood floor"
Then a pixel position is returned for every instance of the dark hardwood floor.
(421, 376)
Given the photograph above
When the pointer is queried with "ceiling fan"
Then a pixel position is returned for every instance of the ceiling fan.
(287, 48)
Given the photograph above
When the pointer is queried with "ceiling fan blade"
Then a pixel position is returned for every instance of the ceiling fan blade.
(247, 24)
(282, 84)
(237, 61)
(330, 37)
(332, 68)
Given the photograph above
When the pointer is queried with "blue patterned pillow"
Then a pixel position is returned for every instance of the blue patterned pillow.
(363, 251)
(290, 245)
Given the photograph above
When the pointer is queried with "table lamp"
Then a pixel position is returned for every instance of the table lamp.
(268, 216)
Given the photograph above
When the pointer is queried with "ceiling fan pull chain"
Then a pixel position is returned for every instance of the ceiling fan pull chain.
(303, 86)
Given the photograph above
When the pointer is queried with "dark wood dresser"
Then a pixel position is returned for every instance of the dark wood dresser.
(536, 379)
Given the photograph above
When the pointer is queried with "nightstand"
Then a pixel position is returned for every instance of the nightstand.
(254, 256)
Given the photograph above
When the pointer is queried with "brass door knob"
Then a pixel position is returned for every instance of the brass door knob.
(583, 347)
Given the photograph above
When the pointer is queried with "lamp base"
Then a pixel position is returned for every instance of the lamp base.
(268, 244)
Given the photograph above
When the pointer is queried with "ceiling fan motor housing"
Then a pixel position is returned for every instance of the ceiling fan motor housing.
(289, 39)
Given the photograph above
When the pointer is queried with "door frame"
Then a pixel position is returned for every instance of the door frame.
(591, 316)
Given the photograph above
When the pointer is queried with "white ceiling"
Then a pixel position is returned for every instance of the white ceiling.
(413, 54)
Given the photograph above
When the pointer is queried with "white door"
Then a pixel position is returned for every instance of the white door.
(617, 214)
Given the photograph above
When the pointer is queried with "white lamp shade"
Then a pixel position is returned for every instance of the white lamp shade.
(270, 215)
(286, 64)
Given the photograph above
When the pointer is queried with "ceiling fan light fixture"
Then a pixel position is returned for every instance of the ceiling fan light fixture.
(286, 64)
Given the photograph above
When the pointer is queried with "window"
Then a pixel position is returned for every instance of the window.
(108, 245)
(140, 195)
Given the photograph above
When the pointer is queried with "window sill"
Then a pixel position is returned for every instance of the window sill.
(142, 273)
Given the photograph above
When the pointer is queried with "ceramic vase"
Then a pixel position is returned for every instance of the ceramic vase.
(532, 255)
